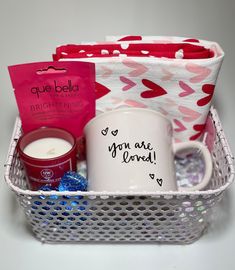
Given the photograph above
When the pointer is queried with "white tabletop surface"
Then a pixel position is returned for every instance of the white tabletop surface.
(30, 31)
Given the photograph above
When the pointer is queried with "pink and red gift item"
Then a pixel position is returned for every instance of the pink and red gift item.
(47, 153)
(173, 75)
(55, 94)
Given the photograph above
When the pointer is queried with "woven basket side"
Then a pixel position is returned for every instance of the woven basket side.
(223, 161)
(169, 217)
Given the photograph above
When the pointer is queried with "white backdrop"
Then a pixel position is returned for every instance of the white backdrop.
(30, 31)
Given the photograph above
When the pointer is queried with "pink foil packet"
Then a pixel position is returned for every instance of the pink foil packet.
(55, 94)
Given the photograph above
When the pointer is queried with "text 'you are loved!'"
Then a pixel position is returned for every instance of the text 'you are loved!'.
(129, 152)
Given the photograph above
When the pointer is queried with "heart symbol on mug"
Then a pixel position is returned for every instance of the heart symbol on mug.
(114, 132)
(151, 175)
(159, 181)
(104, 131)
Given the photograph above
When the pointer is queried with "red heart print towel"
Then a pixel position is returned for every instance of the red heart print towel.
(173, 75)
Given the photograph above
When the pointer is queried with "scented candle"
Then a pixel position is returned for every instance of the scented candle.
(47, 148)
(47, 153)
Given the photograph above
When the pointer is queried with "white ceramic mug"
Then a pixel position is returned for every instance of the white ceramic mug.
(131, 149)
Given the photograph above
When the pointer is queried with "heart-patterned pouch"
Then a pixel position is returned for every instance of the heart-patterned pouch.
(175, 76)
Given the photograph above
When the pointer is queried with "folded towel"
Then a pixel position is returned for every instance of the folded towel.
(175, 76)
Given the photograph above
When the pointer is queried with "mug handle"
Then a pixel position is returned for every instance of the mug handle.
(177, 147)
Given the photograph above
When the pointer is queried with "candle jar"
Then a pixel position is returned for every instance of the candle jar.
(47, 153)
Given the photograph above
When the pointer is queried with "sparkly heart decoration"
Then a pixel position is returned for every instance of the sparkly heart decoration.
(72, 181)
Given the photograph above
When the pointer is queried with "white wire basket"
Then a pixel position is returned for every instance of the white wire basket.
(169, 217)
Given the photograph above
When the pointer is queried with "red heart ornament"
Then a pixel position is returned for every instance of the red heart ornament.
(100, 90)
(208, 89)
(155, 90)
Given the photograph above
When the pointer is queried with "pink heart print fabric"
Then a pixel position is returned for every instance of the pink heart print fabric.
(173, 75)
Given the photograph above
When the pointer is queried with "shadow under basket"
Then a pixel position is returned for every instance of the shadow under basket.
(166, 217)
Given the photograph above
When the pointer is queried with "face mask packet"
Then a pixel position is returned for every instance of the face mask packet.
(55, 94)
